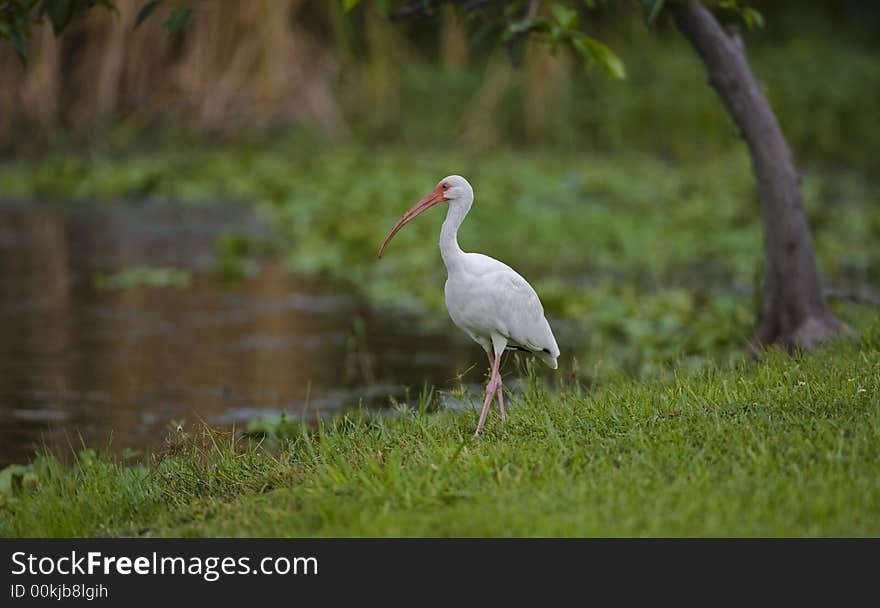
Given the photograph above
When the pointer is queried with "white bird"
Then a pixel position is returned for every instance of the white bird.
(486, 298)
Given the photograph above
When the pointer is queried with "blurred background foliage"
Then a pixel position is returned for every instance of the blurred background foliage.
(246, 68)
(629, 204)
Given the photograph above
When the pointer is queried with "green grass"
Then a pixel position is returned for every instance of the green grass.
(784, 446)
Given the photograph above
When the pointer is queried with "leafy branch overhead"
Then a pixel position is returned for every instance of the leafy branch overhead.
(553, 23)
(516, 22)
(176, 20)
(19, 17)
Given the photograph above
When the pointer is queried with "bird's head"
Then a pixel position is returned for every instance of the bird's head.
(453, 189)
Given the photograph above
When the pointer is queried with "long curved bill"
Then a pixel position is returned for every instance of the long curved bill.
(423, 205)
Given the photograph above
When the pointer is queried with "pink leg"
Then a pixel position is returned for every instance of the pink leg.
(491, 389)
(500, 392)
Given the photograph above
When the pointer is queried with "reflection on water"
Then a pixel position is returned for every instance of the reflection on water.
(76, 361)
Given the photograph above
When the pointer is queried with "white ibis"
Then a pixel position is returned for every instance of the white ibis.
(486, 298)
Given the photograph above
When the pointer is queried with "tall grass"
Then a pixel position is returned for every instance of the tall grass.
(240, 64)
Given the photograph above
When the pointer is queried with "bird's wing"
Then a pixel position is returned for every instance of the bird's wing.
(516, 307)
(521, 296)
(486, 297)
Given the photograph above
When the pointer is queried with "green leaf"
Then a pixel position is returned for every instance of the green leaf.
(652, 9)
(18, 43)
(60, 12)
(566, 17)
(178, 18)
(348, 5)
(752, 18)
(526, 26)
(592, 49)
(109, 5)
(146, 11)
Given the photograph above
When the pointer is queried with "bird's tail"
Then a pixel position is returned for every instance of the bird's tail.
(550, 353)
(548, 359)
(546, 355)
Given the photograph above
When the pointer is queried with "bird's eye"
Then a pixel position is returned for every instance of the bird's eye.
(445, 186)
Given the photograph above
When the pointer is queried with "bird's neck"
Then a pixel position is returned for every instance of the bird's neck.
(449, 249)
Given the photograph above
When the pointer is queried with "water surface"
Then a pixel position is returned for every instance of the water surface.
(121, 365)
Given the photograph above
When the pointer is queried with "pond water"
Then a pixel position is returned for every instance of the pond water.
(116, 367)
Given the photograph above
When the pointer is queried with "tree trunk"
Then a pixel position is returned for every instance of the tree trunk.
(793, 312)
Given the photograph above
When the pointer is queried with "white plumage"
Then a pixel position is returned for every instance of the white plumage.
(486, 298)
(493, 304)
